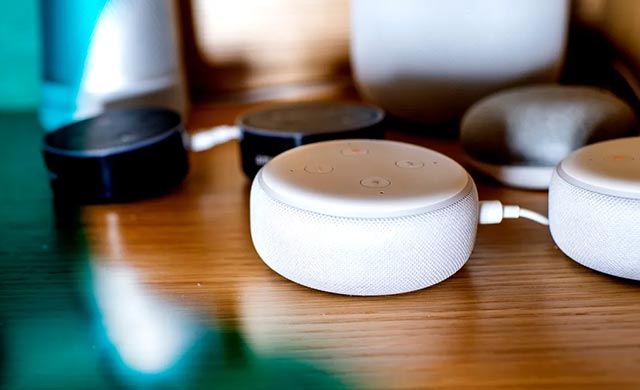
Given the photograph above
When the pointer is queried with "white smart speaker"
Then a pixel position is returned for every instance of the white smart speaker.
(594, 207)
(364, 217)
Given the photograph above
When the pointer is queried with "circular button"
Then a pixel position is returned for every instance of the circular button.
(318, 168)
(375, 182)
(409, 164)
(354, 151)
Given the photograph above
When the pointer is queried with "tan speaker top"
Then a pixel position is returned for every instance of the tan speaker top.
(610, 167)
(365, 178)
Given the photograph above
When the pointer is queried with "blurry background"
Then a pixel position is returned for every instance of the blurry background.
(253, 49)
(19, 54)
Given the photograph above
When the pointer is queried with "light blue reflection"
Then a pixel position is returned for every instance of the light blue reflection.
(151, 342)
(147, 338)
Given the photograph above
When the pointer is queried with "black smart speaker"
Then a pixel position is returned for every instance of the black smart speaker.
(267, 132)
(120, 155)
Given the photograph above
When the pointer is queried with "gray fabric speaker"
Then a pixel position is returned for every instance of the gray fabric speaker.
(519, 135)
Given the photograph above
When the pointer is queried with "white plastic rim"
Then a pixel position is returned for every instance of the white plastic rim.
(525, 177)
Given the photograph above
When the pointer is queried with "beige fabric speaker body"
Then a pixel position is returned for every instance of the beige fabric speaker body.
(594, 207)
(364, 217)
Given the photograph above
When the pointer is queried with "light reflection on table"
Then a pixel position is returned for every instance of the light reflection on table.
(78, 310)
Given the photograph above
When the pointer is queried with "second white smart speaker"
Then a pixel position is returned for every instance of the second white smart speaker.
(594, 207)
(364, 217)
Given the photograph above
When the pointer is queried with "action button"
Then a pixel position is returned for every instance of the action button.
(318, 168)
(409, 164)
(375, 182)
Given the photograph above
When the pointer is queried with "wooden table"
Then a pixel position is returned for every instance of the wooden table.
(170, 292)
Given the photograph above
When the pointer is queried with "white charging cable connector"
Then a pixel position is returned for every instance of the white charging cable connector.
(493, 211)
(208, 138)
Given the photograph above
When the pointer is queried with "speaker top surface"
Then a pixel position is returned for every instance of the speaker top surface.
(115, 131)
(610, 167)
(311, 118)
(364, 178)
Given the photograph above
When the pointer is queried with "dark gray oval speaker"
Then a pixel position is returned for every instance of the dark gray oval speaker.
(519, 135)
(269, 131)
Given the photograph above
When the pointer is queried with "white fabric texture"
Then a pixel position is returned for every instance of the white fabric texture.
(358, 256)
(598, 231)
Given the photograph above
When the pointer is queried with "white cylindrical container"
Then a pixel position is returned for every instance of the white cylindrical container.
(429, 60)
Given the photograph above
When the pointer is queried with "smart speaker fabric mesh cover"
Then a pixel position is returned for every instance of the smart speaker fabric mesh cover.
(362, 256)
(596, 230)
(540, 125)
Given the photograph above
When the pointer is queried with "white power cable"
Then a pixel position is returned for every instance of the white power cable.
(533, 216)
(493, 211)
(207, 139)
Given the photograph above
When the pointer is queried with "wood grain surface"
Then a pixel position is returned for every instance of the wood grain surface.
(519, 315)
